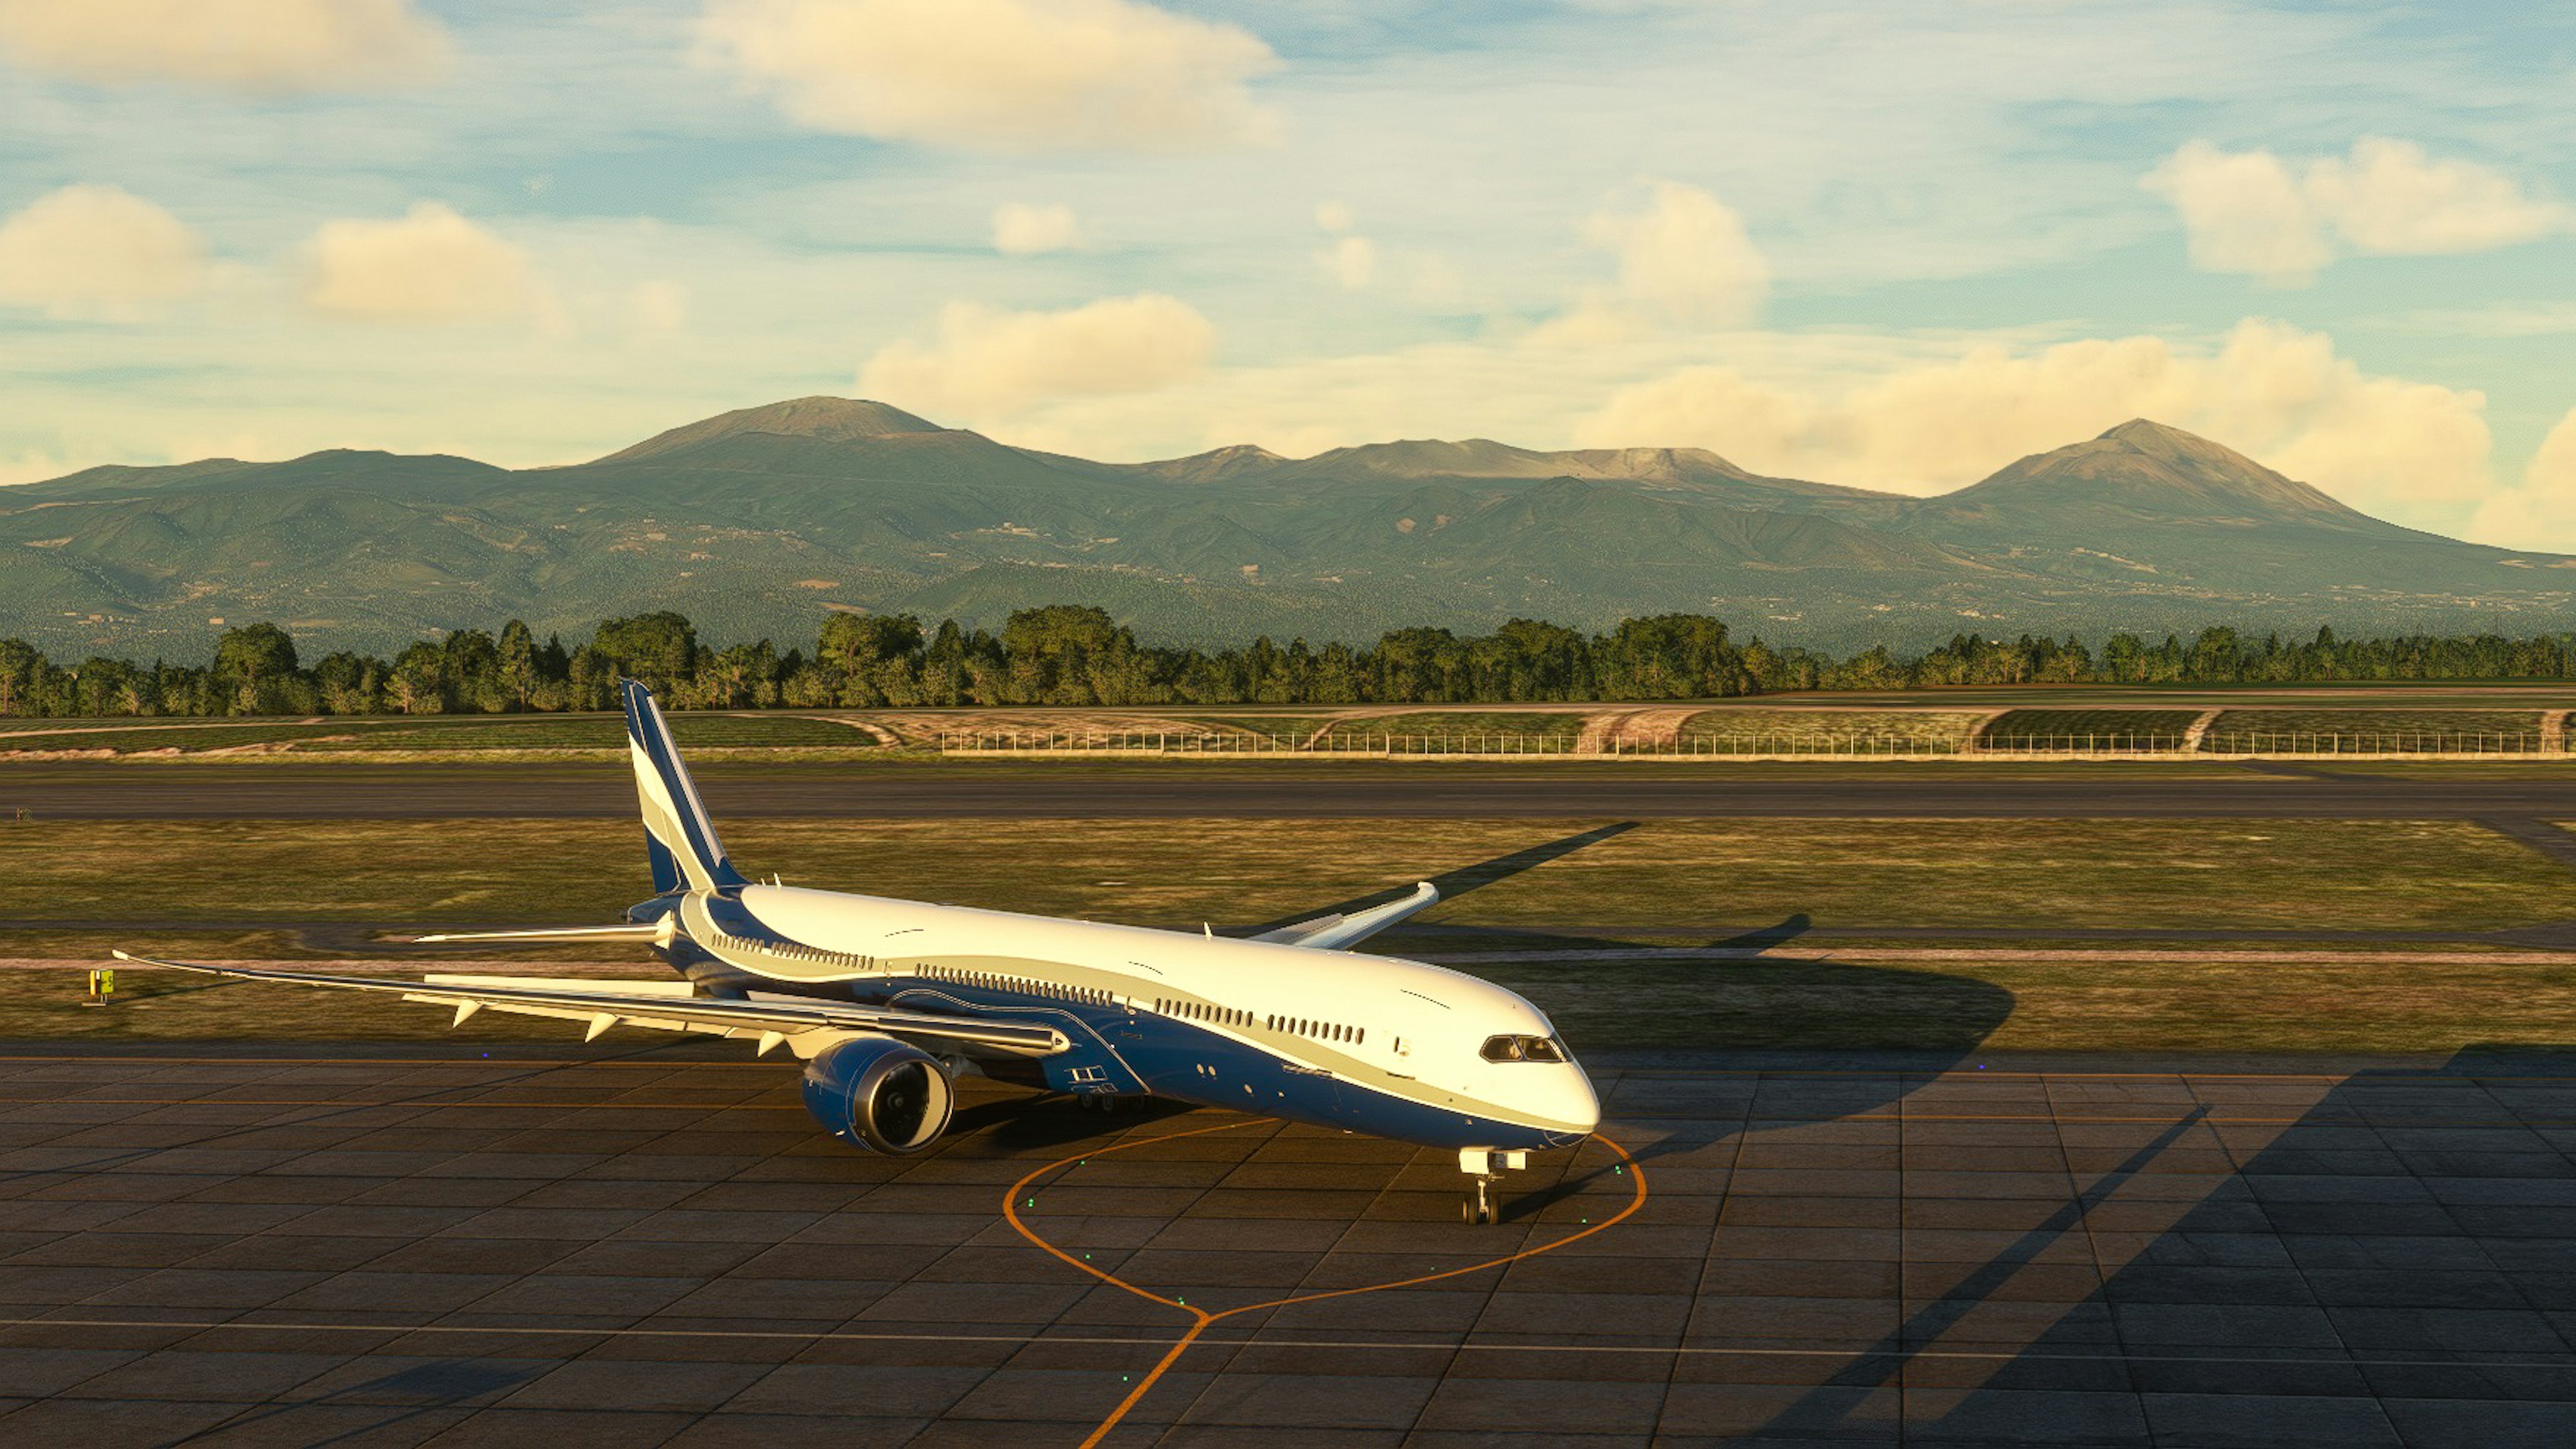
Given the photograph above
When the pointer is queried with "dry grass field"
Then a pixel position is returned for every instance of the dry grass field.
(244, 889)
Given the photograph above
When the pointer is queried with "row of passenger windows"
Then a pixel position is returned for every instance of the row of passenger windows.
(1319, 1030)
(1201, 1011)
(1088, 996)
(1228, 1016)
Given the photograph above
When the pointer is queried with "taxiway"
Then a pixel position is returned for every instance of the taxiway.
(1420, 790)
(277, 1245)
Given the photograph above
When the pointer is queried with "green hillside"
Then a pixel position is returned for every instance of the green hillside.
(757, 521)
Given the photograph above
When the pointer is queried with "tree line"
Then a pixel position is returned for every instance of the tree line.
(1070, 655)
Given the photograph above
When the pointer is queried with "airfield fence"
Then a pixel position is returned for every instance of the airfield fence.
(2362, 745)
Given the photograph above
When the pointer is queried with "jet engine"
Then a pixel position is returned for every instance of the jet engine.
(879, 1094)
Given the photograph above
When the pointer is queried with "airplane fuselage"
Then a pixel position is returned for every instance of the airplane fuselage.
(1373, 1044)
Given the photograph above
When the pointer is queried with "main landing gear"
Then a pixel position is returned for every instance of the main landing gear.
(1486, 1166)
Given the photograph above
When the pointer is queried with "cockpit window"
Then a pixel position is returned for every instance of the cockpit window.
(1522, 1049)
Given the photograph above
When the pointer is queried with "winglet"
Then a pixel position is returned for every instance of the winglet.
(1340, 932)
(677, 834)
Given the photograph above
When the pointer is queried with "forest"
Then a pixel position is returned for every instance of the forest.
(1073, 655)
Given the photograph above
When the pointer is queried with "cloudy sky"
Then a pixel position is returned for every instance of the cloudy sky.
(1893, 244)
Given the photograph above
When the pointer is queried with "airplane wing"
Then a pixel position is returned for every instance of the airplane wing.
(771, 1019)
(1338, 932)
(653, 933)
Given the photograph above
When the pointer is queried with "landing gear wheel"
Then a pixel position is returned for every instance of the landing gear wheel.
(1476, 1208)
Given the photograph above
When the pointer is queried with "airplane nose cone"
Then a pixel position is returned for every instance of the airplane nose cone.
(1583, 1106)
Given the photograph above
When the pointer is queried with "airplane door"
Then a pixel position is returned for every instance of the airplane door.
(1417, 1025)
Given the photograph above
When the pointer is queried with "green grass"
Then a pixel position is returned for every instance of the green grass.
(187, 737)
(2437, 1005)
(2375, 731)
(600, 732)
(478, 732)
(1269, 726)
(448, 732)
(2093, 729)
(2391, 875)
(153, 1005)
(1678, 881)
(1814, 731)
(1447, 731)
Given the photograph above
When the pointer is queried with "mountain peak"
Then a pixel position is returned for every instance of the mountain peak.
(2171, 444)
(1215, 465)
(2144, 432)
(830, 419)
(2151, 468)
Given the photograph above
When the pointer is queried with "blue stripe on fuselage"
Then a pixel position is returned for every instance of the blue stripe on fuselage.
(1146, 1054)
(1163, 1057)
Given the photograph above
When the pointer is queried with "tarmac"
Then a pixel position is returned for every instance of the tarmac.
(1415, 790)
(623, 1245)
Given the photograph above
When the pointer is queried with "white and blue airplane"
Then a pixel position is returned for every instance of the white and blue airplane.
(888, 1002)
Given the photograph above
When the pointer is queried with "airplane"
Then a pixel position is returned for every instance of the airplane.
(888, 1002)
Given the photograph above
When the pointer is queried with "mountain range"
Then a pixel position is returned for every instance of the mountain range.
(755, 522)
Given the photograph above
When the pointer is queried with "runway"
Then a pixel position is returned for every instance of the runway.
(278, 1246)
(1410, 790)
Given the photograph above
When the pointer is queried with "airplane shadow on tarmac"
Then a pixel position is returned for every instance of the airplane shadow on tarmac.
(2367, 1258)
(1715, 1027)
(1711, 1014)
(1702, 1014)
(1455, 883)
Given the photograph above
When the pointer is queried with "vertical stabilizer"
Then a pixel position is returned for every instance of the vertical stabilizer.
(677, 834)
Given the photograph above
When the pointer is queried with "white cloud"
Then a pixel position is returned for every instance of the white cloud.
(1684, 261)
(2541, 514)
(429, 266)
(989, 362)
(2249, 212)
(657, 309)
(1352, 261)
(34, 468)
(1686, 254)
(2244, 212)
(1007, 75)
(2283, 396)
(97, 251)
(2390, 198)
(1020, 229)
(253, 46)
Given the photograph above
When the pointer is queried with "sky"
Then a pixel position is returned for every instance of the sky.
(1892, 244)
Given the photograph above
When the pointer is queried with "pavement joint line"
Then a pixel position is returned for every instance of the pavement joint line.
(1267, 1341)
(400, 1102)
(1756, 1123)
(2420, 1077)
(1898, 954)
(2460, 954)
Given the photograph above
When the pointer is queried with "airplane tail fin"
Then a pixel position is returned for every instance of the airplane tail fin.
(678, 837)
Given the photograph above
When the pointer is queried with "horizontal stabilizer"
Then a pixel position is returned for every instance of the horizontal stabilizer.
(718, 1016)
(1338, 932)
(652, 933)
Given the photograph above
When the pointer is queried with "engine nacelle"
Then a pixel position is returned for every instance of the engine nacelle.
(879, 1094)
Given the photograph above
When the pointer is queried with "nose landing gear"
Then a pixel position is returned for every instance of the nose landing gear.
(1485, 1166)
